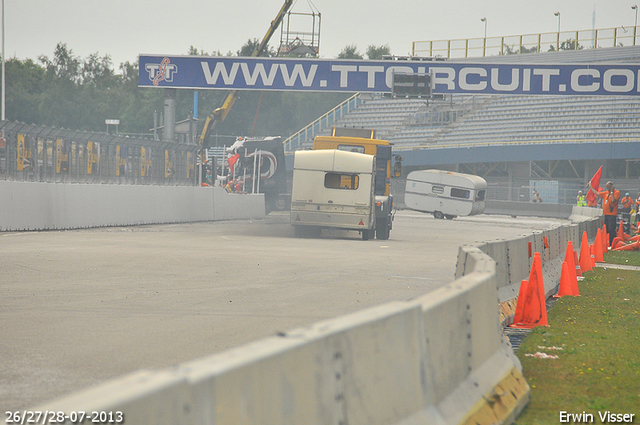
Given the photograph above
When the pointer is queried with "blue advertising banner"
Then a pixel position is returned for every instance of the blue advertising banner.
(335, 75)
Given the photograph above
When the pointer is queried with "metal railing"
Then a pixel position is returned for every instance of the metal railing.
(47, 154)
(325, 121)
(527, 43)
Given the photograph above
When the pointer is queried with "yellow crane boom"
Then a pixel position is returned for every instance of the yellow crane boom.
(219, 114)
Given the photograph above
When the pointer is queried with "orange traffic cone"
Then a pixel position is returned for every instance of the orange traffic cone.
(577, 263)
(585, 255)
(570, 260)
(566, 287)
(518, 316)
(592, 253)
(533, 307)
(617, 243)
(605, 240)
(597, 250)
(575, 289)
(630, 247)
(621, 234)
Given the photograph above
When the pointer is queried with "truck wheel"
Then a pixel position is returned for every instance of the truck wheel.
(438, 215)
(368, 234)
(382, 231)
(281, 205)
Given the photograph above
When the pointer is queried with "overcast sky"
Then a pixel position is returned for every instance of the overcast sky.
(126, 28)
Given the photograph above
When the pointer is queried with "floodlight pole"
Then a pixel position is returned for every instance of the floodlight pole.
(484, 45)
(558, 37)
(635, 25)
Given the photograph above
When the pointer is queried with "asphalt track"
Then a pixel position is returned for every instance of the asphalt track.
(80, 307)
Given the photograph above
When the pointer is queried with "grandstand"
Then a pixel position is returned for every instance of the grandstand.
(514, 141)
(469, 119)
(528, 118)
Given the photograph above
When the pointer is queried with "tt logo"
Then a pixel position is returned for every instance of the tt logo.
(162, 71)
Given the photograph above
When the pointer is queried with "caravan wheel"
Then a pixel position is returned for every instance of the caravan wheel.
(438, 215)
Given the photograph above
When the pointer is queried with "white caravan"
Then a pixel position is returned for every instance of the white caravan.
(336, 189)
(445, 193)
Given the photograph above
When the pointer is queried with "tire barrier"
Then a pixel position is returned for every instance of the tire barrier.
(45, 206)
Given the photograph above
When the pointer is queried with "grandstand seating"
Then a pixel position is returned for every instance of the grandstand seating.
(496, 119)
(383, 114)
(479, 119)
(539, 118)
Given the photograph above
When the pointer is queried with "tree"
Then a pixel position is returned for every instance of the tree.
(374, 52)
(64, 66)
(25, 86)
(250, 46)
(59, 105)
(194, 52)
(569, 44)
(80, 93)
(350, 52)
(508, 50)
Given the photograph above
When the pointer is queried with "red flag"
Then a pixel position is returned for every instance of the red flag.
(233, 159)
(595, 183)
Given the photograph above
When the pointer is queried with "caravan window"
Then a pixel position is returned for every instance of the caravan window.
(437, 189)
(459, 193)
(351, 148)
(341, 181)
(480, 195)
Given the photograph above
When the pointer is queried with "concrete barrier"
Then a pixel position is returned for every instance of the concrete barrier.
(474, 375)
(516, 208)
(365, 368)
(44, 206)
(439, 359)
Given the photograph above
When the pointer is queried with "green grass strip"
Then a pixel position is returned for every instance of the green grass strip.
(598, 365)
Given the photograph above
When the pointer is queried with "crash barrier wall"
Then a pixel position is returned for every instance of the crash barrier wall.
(44, 206)
(514, 256)
(528, 209)
(439, 359)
